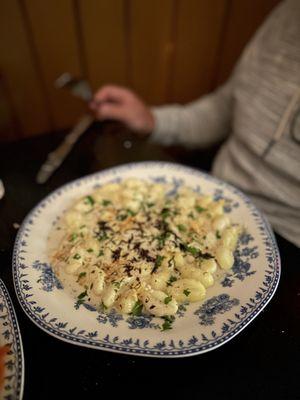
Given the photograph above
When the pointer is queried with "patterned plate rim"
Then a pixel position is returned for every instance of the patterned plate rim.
(19, 364)
(106, 345)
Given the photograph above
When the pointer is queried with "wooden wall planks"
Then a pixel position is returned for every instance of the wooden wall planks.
(17, 67)
(198, 36)
(104, 41)
(167, 50)
(55, 40)
(243, 19)
(151, 46)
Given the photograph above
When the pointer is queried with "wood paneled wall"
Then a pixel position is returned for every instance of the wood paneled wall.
(166, 50)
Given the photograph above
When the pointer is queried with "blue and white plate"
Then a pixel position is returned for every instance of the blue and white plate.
(229, 307)
(14, 359)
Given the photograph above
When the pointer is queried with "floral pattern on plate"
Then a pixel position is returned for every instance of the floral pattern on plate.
(14, 360)
(230, 305)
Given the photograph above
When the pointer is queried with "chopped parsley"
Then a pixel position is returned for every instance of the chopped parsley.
(80, 299)
(78, 303)
(90, 250)
(168, 299)
(106, 202)
(73, 237)
(131, 213)
(186, 292)
(89, 200)
(162, 238)
(200, 209)
(77, 256)
(122, 217)
(125, 214)
(171, 280)
(218, 235)
(182, 306)
(193, 250)
(150, 205)
(81, 275)
(137, 308)
(101, 253)
(165, 213)
(82, 295)
(158, 261)
(102, 236)
(169, 319)
(181, 228)
(191, 215)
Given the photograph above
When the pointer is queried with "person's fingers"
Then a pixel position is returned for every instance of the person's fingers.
(111, 111)
(93, 105)
(112, 93)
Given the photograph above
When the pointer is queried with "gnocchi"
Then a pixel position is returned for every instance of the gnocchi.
(134, 247)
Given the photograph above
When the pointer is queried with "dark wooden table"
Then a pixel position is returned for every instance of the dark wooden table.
(263, 361)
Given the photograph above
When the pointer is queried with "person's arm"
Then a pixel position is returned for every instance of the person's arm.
(197, 124)
(122, 104)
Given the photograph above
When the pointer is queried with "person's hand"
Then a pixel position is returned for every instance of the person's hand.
(115, 102)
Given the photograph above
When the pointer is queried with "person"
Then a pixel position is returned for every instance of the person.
(257, 111)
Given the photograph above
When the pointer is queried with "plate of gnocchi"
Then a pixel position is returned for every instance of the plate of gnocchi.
(153, 259)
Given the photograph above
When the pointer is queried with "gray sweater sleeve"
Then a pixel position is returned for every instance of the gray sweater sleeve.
(197, 124)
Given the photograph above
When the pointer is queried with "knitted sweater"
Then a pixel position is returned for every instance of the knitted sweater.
(258, 111)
